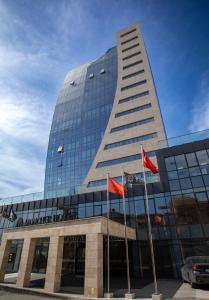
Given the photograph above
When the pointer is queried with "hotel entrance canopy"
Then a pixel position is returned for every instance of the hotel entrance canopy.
(93, 228)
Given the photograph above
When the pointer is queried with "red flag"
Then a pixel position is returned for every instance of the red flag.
(117, 188)
(148, 163)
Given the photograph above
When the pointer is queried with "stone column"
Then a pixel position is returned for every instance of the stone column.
(4, 255)
(26, 263)
(93, 285)
(54, 264)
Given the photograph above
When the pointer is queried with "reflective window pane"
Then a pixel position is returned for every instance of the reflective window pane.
(204, 169)
(89, 211)
(206, 179)
(174, 185)
(172, 175)
(195, 171)
(151, 206)
(202, 157)
(185, 183)
(180, 161)
(170, 163)
(183, 173)
(201, 196)
(97, 210)
(197, 181)
(191, 159)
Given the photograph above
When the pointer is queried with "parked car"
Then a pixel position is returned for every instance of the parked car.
(196, 270)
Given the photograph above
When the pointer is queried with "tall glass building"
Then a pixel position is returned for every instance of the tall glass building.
(57, 239)
(104, 111)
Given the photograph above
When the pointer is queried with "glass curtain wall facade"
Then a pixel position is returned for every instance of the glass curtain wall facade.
(80, 119)
(179, 212)
(105, 110)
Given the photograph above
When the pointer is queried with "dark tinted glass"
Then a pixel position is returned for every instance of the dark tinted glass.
(183, 231)
(196, 231)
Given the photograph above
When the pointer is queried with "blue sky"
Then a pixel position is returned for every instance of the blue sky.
(41, 40)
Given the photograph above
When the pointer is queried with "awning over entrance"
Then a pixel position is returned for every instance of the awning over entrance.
(93, 228)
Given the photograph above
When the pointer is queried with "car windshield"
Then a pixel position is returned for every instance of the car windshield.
(200, 259)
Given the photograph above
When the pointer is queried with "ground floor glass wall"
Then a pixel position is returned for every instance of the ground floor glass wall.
(180, 222)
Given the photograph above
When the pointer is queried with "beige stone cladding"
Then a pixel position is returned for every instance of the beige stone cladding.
(134, 78)
(93, 228)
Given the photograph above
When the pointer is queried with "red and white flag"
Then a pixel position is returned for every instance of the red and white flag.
(148, 163)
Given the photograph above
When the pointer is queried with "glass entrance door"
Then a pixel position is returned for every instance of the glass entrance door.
(80, 260)
(73, 263)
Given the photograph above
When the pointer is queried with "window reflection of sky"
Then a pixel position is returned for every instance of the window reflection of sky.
(79, 122)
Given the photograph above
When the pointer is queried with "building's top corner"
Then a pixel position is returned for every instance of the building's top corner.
(128, 28)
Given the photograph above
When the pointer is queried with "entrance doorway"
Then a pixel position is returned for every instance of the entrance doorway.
(73, 264)
(40, 256)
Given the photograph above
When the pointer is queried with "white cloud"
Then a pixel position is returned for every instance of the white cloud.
(24, 130)
(24, 117)
(18, 173)
(25, 108)
(200, 112)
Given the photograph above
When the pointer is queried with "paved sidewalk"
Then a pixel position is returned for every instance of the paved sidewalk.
(167, 287)
(170, 291)
(185, 292)
(5, 295)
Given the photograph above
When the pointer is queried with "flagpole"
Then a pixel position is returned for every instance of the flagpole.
(126, 240)
(108, 237)
(137, 234)
(149, 225)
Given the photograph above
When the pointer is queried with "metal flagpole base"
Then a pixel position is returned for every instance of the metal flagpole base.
(157, 296)
(129, 296)
(108, 295)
